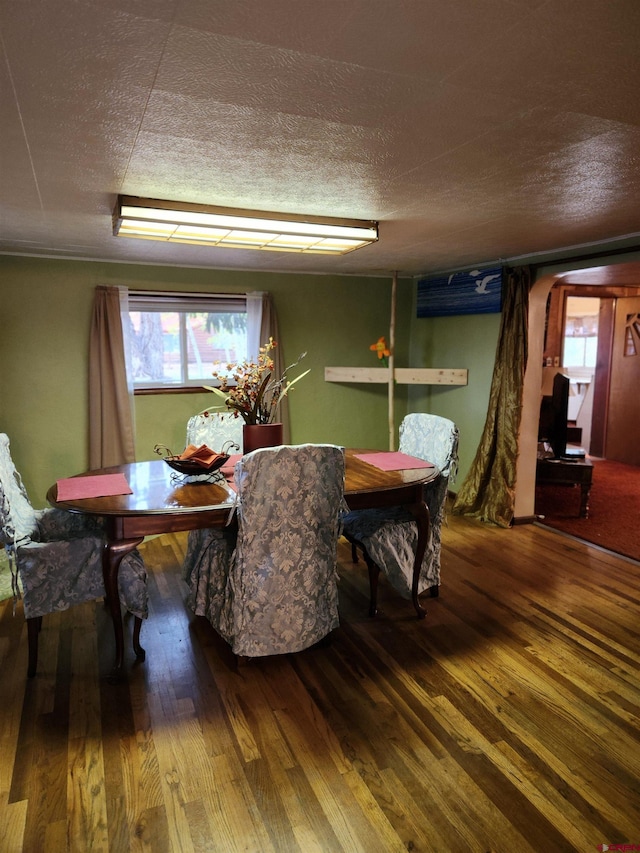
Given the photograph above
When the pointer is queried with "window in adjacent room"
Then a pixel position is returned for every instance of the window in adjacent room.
(580, 343)
(174, 338)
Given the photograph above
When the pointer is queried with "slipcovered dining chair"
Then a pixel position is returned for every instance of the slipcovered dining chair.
(388, 537)
(56, 558)
(268, 584)
(218, 430)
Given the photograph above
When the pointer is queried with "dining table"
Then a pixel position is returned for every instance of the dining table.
(158, 500)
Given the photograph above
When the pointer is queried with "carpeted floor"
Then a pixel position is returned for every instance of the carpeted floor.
(614, 508)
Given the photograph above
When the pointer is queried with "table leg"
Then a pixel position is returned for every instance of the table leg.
(420, 512)
(112, 556)
(585, 489)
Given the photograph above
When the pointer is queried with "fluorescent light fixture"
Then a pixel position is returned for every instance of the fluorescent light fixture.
(204, 225)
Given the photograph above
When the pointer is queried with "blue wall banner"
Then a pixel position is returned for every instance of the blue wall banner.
(472, 292)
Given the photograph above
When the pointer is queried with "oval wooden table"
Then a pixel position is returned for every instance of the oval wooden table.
(366, 487)
(161, 503)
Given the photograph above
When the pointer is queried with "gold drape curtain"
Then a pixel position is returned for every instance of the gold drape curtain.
(111, 439)
(488, 491)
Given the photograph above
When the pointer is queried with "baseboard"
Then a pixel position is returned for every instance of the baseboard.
(524, 519)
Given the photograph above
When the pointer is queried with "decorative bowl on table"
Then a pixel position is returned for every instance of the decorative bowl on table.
(193, 460)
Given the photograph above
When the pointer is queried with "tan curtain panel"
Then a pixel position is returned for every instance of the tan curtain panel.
(264, 310)
(488, 491)
(111, 439)
(269, 328)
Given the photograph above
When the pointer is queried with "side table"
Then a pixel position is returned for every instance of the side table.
(562, 473)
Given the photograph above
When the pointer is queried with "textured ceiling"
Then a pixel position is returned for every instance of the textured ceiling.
(473, 130)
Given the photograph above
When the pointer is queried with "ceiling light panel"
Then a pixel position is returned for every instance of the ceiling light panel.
(179, 222)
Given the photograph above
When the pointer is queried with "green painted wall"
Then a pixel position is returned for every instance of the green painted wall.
(466, 341)
(46, 310)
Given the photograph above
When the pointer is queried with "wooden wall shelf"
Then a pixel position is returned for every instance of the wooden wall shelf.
(402, 375)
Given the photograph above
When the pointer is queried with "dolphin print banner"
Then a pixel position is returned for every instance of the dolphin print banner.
(473, 292)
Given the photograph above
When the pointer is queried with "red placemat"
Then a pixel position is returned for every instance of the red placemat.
(229, 466)
(92, 486)
(393, 461)
(228, 469)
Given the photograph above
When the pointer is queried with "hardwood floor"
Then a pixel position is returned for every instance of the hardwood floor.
(505, 721)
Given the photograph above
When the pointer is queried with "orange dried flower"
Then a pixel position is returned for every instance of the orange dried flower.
(381, 348)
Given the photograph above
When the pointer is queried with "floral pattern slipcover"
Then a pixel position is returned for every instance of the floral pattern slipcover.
(269, 586)
(390, 536)
(215, 429)
(57, 555)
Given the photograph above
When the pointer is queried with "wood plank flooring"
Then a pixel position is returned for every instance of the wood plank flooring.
(507, 720)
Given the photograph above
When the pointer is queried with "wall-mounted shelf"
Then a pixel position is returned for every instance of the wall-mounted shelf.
(402, 375)
(392, 375)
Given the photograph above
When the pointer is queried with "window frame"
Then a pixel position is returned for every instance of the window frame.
(181, 303)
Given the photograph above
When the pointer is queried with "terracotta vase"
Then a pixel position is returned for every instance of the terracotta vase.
(255, 436)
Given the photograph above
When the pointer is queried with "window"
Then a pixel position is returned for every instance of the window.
(173, 339)
(580, 344)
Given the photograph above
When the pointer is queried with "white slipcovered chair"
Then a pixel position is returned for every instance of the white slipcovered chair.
(269, 585)
(218, 430)
(388, 537)
(57, 558)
